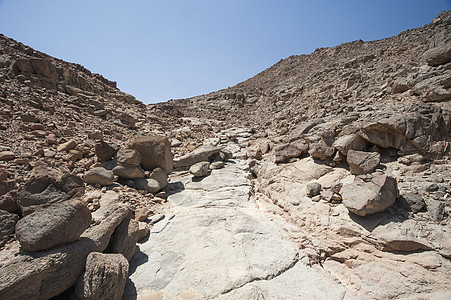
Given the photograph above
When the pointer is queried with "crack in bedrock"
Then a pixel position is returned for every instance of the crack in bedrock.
(269, 277)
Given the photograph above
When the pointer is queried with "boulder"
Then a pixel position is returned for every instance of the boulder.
(8, 201)
(413, 202)
(105, 151)
(128, 157)
(385, 134)
(350, 142)
(141, 214)
(124, 238)
(59, 224)
(202, 153)
(99, 175)
(7, 155)
(438, 55)
(104, 277)
(4, 174)
(313, 189)
(321, 150)
(283, 152)
(362, 198)
(128, 171)
(155, 152)
(47, 187)
(48, 273)
(436, 209)
(7, 186)
(216, 165)
(362, 162)
(7, 226)
(157, 180)
(200, 169)
(67, 146)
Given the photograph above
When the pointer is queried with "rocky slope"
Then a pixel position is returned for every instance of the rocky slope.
(326, 176)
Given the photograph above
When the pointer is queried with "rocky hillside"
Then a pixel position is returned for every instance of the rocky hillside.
(327, 176)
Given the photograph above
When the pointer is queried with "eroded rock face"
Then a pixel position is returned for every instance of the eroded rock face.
(376, 195)
(59, 224)
(155, 152)
(104, 277)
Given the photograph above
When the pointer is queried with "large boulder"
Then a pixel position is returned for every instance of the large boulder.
(104, 277)
(202, 153)
(363, 198)
(7, 226)
(350, 142)
(48, 273)
(321, 150)
(59, 224)
(155, 152)
(362, 162)
(8, 201)
(289, 150)
(99, 175)
(124, 238)
(128, 157)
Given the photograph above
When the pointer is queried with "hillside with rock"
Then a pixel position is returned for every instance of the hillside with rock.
(326, 176)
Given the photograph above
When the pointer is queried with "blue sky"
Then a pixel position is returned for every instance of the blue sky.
(170, 49)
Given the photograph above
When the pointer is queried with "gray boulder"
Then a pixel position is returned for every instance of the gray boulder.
(350, 142)
(290, 150)
(104, 277)
(362, 162)
(157, 180)
(313, 189)
(99, 175)
(436, 209)
(200, 169)
(59, 224)
(362, 198)
(202, 153)
(321, 150)
(124, 238)
(155, 152)
(128, 157)
(128, 171)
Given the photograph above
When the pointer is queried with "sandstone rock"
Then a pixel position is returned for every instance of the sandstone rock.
(141, 214)
(104, 277)
(124, 238)
(67, 146)
(350, 142)
(362, 162)
(7, 155)
(8, 201)
(105, 151)
(59, 224)
(200, 169)
(202, 153)
(321, 150)
(128, 171)
(155, 152)
(99, 175)
(45, 274)
(313, 189)
(364, 198)
(128, 157)
(7, 226)
(290, 150)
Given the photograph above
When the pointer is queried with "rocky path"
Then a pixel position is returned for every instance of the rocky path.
(218, 242)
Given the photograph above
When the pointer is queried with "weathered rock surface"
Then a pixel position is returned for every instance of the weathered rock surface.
(59, 224)
(202, 153)
(99, 175)
(7, 226)
(155, 152)
(124, 238)
(104, 277)
(105, 151)
(128, 171)
(290, 150)
(362, 162)
(363, 198)
(200, 169)
(45, 274)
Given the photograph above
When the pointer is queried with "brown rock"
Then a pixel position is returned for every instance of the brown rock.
(51, 139)
(105, 151)
(99, 175)
(67, 146)
(7, 155)
(155, 152)
(285, 151)
(202, 153)
(128, 157)
(104, 277)
(8, 201)
(128, 171)
(59, 224)
(321, 150)
(200, 169)
(7, 226)
(141, 214)
(124, 238)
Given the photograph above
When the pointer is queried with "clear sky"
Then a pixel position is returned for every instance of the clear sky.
(170, 49)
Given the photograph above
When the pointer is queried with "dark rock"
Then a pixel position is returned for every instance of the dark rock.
(313, 189)
(105, 151)
(124, 238)
(99, 175)
(8, 201)
(155, 152)
(362, 162)
(7, 226)
(128, 157)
